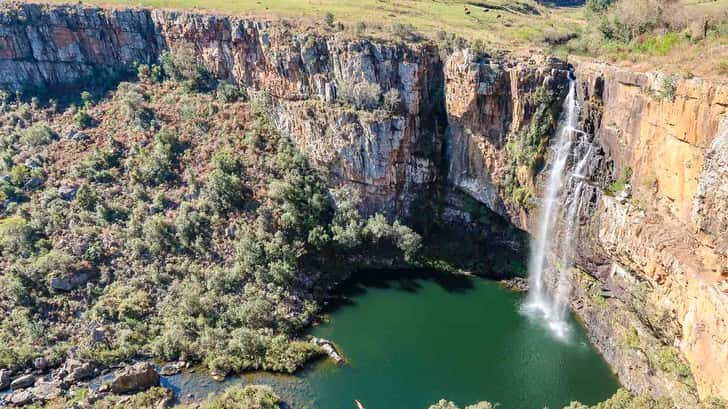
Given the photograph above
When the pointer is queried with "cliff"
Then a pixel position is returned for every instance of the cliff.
(388, 158)
(652, 252)
(660, 241)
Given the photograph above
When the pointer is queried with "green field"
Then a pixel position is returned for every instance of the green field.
(500, 22)
(521, 26)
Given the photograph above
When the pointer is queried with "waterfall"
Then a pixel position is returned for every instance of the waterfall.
(560, 208)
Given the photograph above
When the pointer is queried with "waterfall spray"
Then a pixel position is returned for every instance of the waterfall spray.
(552, 306)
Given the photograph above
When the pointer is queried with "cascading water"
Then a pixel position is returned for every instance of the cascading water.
(557, 206)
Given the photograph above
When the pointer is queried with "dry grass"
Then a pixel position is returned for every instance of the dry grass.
(521, 26)
(501, 23)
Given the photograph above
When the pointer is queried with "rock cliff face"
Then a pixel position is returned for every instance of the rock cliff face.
(488, 104)
(652, 256)
(660, 242)
(390, 159)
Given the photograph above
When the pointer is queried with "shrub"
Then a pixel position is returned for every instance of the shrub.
(86, 197)
(392, 101)
(227, 92)
(151, 167)
(181, 64)
(598, 6)
(669, 361)
(362, 95)
(95, 166)
(83, 119)
(448, 43)
(158, 235)
(405, 32)
(120, 302)
(668, 88)
(19, 333)
(149, 74)
(37, 135)
(224, 190)
(329, 19)
(247, 397)
(621, 182)
(19, 174)
(132, 101)
(16, 237)
(192, 228)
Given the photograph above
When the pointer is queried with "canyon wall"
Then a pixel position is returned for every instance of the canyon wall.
(657, 241)
(653, 247)
(389, 158)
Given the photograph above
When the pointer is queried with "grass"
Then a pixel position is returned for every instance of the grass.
(501, 24)
(507, 27)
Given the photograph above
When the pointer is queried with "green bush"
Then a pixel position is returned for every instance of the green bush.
(224, 190)
(37, 135)
(86, 197)
(132, 102)
(329, 19)
(83, 119)
(96, 166)
(17, 237)
(151, 167)
(158, 235)
(621, 183)
(181, 64)
(227, 92)
(247, 397)
(668, 88)
(598, 6)
(192, 228)
(120, 302)
(362, 95)
(19, 333)
(669, 361)
(150, 74)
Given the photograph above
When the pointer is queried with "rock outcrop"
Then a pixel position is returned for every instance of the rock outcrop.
(488, 104)
(136, 378)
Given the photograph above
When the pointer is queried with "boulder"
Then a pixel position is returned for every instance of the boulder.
(23, 382)
(67, 193)
(172, 369)
(136, 378)
(68, 283)
(33, 183)
(329, 348)
(74, 370)
(4, 379)
(41, 364)
(98, 335)
(46, 390)
(20, 398)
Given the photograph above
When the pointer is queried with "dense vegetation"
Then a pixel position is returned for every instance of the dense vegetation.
(169, 218)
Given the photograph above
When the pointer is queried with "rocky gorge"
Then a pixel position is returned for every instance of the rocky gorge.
(467, 134)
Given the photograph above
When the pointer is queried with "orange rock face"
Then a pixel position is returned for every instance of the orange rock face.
(671, 232)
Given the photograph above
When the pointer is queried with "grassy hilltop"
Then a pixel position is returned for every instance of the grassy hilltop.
(689, 37)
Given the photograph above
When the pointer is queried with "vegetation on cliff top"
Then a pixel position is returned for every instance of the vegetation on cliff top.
(683, 36)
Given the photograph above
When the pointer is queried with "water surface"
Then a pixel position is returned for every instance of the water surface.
(413, 340)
